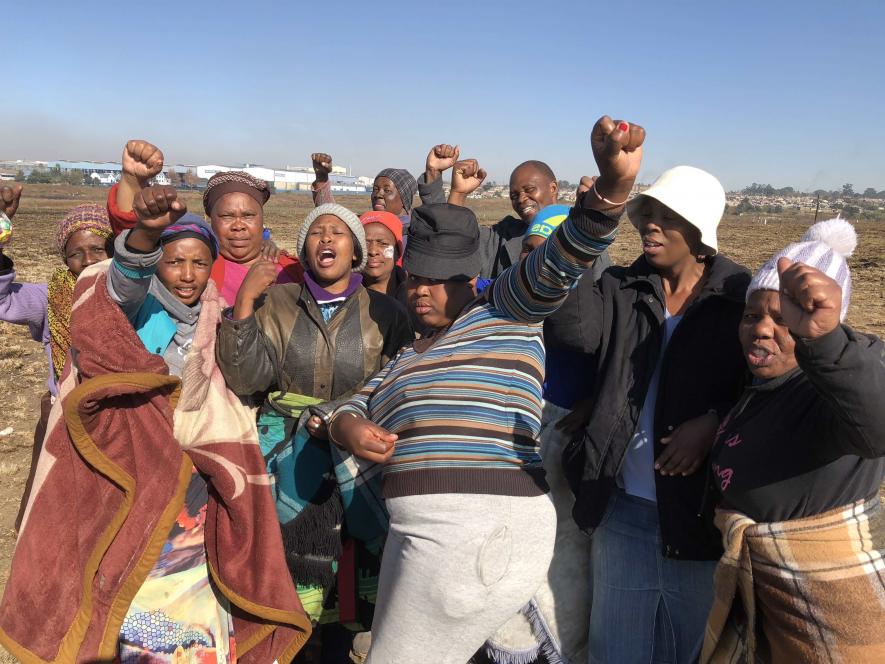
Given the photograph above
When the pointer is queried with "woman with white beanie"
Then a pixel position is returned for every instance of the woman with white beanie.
(664, 334)
(798, 463)
(299, 346)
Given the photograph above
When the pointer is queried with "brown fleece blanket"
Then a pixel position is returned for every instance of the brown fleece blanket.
(123, 437)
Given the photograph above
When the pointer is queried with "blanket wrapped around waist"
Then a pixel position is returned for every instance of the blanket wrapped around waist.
(805, 590)
(123, 439)
(331, 514)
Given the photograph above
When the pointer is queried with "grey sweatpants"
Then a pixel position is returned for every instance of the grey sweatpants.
(455, 568)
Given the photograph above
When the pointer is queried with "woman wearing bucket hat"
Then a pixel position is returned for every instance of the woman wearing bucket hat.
(308, 344)
(798, 464)
(455, 420)
(668, 366)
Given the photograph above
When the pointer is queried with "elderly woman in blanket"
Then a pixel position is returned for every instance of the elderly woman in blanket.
(146, 563)
(798, 463)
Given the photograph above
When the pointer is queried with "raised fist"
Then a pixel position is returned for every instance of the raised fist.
(9, 199)
(157, 208)
(617, 148)
(142, 160)
(585, 185)
(467, 176)
(322, 165)
(811, 302)
(440, 158)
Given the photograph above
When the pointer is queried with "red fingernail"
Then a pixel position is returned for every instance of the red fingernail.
(623, 126)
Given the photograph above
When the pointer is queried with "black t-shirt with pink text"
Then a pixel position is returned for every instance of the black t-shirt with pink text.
(808, 441)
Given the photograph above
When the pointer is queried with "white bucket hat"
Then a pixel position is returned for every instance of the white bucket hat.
(693, 194)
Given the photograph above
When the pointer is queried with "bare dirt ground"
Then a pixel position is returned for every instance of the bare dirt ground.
(23, 367)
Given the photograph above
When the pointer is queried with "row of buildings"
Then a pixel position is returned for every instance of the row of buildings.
(108, 173)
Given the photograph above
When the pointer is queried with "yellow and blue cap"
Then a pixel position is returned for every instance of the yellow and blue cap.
(546, 221)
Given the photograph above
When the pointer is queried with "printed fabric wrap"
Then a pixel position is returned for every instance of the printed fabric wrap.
(804, 590)
(331, 514)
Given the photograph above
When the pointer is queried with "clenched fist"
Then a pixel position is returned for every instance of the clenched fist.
(10, 197)
(142, 160)
(811, 302)
(617, 148)
(322, 165)
(157, 208)
(467, 176)
(261, 276)
(440, 158)
(362, 437)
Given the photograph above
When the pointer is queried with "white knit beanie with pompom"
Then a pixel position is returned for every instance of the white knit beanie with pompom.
(825, 246)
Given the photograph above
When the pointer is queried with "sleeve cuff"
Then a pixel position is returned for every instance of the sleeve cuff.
(593, 222)
(134, 264)
(242, 325)
(825, 349)
(120, 221)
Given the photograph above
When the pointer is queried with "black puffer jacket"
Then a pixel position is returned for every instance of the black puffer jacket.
(620, 320)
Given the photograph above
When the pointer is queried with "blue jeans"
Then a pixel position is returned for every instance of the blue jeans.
(646, 608)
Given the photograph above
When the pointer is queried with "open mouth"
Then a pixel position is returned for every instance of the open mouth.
(326, 257)
(185, 292)
(758, 356)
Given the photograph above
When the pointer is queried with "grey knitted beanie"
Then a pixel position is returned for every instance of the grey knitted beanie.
(345, 215)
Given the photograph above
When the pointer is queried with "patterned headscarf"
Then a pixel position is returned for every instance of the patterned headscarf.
(230, 182)
(190, 225)
(405, 185)
(87, 217)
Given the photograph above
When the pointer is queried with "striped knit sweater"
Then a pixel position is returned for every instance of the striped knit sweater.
(467, 411)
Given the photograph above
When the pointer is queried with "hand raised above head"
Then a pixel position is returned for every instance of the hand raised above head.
(440, 158)
(617, 149)
(158, 208)
(142, 160)
(811, 302)
(10, 197)
(467, 176)
(322, 164)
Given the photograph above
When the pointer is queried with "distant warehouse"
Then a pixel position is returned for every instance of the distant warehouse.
(108, 173)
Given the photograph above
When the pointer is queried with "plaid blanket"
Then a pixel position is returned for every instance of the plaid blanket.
(331, 514)
(805, 590)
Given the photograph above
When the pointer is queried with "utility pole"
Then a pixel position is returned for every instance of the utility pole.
(817, 208)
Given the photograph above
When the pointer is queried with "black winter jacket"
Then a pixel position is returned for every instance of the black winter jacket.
(621, 320)
(810, 440)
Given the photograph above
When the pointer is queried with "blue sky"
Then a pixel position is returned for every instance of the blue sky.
(787, 93)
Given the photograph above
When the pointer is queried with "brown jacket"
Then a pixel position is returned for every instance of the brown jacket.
(288, 346)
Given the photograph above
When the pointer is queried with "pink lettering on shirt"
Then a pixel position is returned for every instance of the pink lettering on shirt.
(724, 474)
(734, 440)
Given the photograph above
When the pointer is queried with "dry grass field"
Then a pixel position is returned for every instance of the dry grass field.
(23, 362)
